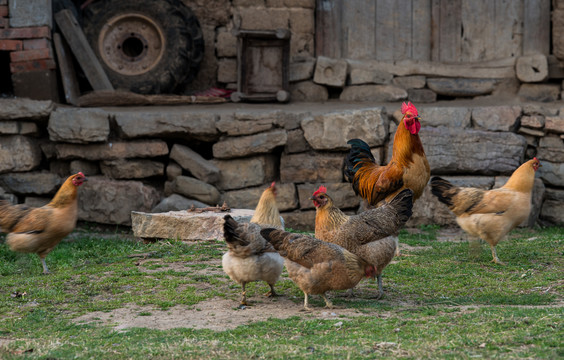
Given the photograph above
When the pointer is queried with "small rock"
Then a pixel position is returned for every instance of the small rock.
(539, 92)
(421, 95)
(332, 72)
(532, 68)
(374, 93)
(461, 87)
(365, 76)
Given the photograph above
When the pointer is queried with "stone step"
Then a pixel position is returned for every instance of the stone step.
(184, 225)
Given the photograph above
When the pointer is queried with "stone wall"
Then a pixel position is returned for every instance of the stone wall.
(533, 77)
(154, 159)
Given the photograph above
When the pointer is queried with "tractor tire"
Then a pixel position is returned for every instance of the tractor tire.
(145, 46)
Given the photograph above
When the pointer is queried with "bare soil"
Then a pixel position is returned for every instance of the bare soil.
(222, 314)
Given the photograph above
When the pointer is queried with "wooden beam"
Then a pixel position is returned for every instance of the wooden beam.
(82, 51)
(66, 67)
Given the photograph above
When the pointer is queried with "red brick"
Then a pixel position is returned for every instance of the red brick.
(11, 45)
(4, 22)
(23, 66)
(32, 44)
(3, 10)
(26, 33)
(28, 55)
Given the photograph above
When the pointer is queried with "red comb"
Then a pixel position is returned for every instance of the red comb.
(273, 184)
(80, 173)
(322, 189)
(409, 107)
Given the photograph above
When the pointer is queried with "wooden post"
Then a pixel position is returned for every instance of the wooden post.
(82, 51)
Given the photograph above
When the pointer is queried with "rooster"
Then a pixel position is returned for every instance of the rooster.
(367, 234)
(39, 230)
(250, 257)
(317, 266)
(407, 169)
(490, 214)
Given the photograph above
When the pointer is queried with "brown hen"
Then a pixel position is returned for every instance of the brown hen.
(367, 234)
(317, 266)
(490, 214)
(39, 230)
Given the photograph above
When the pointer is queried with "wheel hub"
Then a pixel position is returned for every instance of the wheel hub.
(131, 44)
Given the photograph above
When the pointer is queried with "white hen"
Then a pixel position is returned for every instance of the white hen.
(250, 257)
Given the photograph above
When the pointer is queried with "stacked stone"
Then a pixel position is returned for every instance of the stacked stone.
(148, 160)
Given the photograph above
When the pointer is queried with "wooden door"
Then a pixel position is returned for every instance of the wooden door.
(432, 30)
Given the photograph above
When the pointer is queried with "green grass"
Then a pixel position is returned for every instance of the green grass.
(443, 299)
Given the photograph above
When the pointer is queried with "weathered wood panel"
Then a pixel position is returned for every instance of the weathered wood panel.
(478, 24)
(509, 28)
(450, 25)
(536, 27)
(359, 29)
(421, 31)
(385, 30)
(433, 30)
(328, 33)
(403, 28)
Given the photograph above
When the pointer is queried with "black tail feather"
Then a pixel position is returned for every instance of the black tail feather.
(442, 189)
(360, 151)
(403, 203)
(230, 231)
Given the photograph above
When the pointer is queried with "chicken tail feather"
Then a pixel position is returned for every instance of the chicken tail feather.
(231, 233)
(403, 203)
(275, 239)
(10, 215)
(443, 190)
(359, 153)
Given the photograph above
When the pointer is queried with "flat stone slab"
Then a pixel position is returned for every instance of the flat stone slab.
(184, 225)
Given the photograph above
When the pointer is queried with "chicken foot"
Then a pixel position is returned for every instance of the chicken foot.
(495, 258)
(328, 303)
(271, 293)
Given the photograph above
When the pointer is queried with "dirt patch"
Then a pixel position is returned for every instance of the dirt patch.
(215, 314)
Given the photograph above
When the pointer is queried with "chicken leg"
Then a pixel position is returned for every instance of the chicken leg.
(306, 303)
(271, 293)
(45, 269)
(244, 295)
(495, 258)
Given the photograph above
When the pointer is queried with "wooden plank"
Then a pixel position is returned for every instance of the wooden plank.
(478, 25)
(359, 29)
(499, 70)
(421, 30)
(128, 98)
(435, 29)
(385, 30)
(328, 30)
(403, 29)
(82, 51)
(508, 36)
(536, 27)
(450, 29)
(66, 67)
